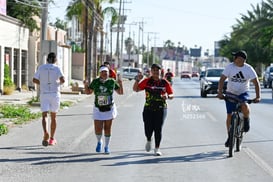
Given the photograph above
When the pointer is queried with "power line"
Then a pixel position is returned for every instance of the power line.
(29, 3)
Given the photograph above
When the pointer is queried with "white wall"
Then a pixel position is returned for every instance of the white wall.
(12, 34)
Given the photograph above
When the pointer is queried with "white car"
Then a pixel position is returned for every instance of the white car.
(130, 73)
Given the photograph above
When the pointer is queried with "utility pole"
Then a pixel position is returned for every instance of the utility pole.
(155, 33)
(118, 42)
(43, 37)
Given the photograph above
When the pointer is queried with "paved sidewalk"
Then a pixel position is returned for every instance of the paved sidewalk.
(24, 96)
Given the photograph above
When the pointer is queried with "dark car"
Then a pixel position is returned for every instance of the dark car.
(209, 82)
(195, 74)
(268, 77)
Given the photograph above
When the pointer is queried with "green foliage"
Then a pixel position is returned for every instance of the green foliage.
(59, 24)
(66, 104)
(33, 100)
(3, 129)
(24, 13)
(253, 33)
(7, 78)
(19, 113)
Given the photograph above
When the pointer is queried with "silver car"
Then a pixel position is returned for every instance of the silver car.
(130, 73)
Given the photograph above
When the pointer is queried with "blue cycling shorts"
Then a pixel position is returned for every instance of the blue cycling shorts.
(231, 106)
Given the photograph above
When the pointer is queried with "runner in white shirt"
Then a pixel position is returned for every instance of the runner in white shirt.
(49, 76)
(239, 75)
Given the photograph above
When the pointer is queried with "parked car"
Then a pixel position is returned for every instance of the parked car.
(209, 82)
(268, 77)
(130, 73)
(185, 74)
(194, 74)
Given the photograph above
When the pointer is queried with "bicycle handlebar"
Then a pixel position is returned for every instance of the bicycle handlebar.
(249, 101)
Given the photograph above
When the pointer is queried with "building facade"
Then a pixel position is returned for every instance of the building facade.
(13, 51)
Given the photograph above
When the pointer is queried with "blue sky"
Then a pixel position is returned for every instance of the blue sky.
(193, 22)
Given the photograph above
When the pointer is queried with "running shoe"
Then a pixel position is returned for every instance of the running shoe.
(246, 125)
(148, 146)
(157, 152)
(52, 141)
(45, 140)
(106, 150)
(98, 147)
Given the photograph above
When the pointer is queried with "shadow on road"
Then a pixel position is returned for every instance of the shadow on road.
(119, 158)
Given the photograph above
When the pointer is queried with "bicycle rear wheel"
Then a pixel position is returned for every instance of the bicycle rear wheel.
(239, 138)
(232, 133)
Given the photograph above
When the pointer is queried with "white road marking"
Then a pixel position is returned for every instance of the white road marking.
(78, 140)
(211, 117)
(266, 167)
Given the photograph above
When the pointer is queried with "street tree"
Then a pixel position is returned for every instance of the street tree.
(25, 12)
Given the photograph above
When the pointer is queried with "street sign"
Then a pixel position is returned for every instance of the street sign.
(115, 29)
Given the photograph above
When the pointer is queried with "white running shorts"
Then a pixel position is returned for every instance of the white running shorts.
(50, 102)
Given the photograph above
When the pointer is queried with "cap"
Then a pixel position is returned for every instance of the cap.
(156, 66)
(240, 53)
(104, 68)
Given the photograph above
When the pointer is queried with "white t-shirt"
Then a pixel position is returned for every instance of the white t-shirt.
(49, 75)
(239, 78)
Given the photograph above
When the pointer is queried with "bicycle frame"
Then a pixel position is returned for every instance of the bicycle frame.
(236, 129)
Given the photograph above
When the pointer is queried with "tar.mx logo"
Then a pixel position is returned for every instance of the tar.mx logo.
(191, 111)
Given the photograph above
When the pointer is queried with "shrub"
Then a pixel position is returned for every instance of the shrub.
(3, 129)
(7, 78)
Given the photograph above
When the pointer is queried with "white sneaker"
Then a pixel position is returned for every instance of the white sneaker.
(148, 146)
(157, 152)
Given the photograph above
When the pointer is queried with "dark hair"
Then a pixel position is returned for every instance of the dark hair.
(51, 57)
(106, 63)
(156, 66)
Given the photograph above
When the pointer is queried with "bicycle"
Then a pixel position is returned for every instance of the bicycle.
(236, 129)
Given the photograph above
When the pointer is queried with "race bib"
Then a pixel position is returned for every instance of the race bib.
(104, 100)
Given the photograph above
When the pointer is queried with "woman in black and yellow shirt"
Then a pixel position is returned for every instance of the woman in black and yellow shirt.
(157, 90)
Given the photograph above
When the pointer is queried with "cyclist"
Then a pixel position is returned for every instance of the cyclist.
(157, 90)
(169, 76)
(239, 75)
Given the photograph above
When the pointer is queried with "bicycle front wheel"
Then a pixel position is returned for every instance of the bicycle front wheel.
(232, 133)
(239, 138)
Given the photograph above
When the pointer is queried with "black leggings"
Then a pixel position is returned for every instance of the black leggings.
(153, 122)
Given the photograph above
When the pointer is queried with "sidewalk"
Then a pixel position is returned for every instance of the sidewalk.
(24, 96)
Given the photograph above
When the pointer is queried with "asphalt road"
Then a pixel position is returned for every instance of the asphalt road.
(192, 145)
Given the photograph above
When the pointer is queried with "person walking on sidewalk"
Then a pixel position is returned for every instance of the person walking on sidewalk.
(157, 90)
(49, 76)
(104, 110)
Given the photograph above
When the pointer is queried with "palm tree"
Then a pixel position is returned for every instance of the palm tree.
(254, 33)
(169, 44)
(91, 13)
(129, 44)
